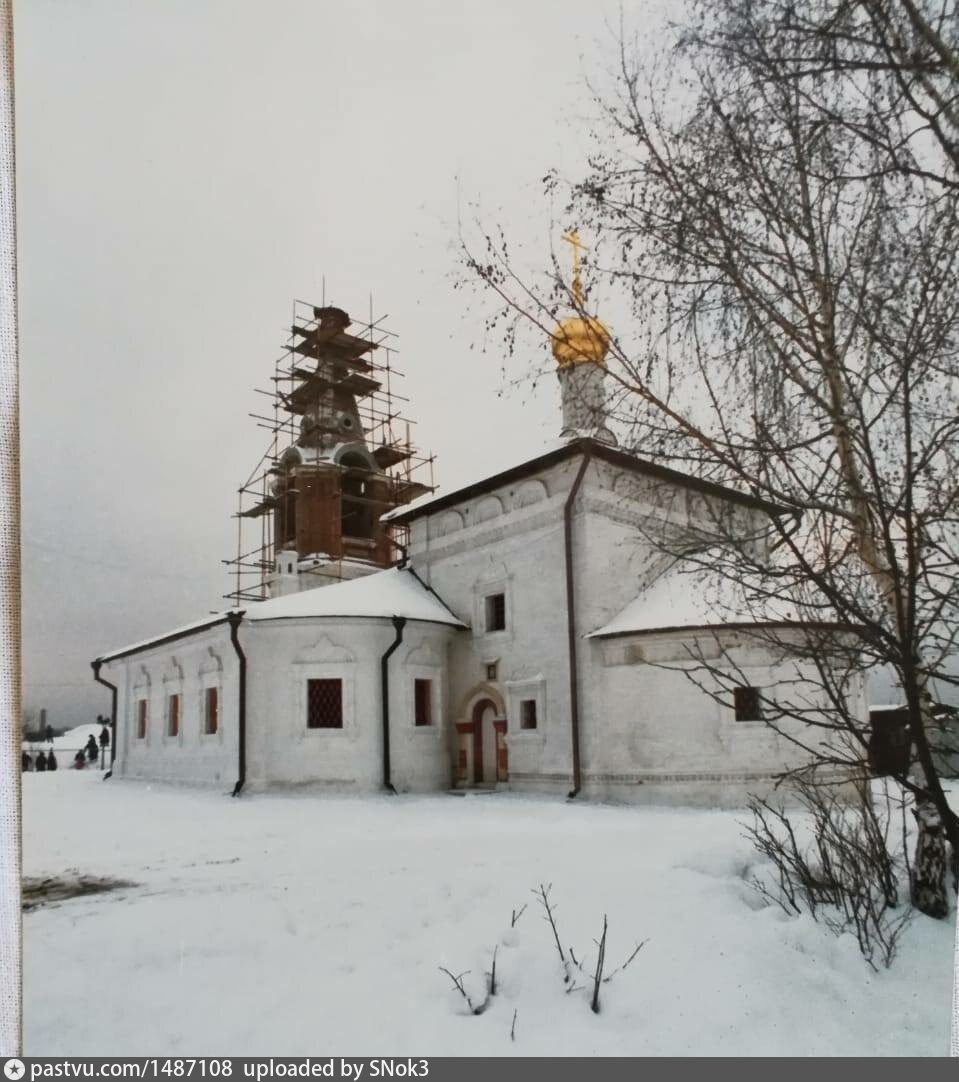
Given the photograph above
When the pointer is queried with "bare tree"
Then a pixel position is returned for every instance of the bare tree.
(898, 55)
(846, 875)
(776, 199)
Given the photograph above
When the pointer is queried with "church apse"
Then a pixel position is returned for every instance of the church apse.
(340, 457)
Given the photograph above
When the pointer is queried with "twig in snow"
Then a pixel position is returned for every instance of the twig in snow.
(492, 973)
(626, 963)
(543, 895)
(512, 1028)
(516, 915)
(458, 985)
(598, 977)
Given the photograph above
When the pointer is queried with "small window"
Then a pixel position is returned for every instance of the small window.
(211, 711)
(423, 701)
(496, 612)
(747, 704)
(324, 704)
(491, 670)
(527, 714)
(142, 719)
(357, 517)
(173, 715)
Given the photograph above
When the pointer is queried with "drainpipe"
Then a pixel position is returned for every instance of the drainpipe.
(571, 620)
(113, 715)
(235, 619)
(399, 622)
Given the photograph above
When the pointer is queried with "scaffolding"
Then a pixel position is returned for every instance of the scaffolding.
(368, 375)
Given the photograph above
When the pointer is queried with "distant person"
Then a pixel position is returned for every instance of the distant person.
(51, 760)
(26, 763)
(79, 760)
(92, 750)
(48, 734)
(41, 763)
(105, 735)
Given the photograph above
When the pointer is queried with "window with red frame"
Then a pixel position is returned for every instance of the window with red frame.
(211, 711)
(324, 704)
(173, 715)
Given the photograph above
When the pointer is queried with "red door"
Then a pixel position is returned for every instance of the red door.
(478, 744)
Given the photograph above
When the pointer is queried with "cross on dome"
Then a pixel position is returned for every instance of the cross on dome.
(572, 238)
(581, 339)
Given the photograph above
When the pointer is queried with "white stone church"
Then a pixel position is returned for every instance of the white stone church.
(507, 644)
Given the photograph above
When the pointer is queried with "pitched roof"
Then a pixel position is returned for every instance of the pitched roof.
(570, 449)
(395, 592)
(683, 600)
(181, 632)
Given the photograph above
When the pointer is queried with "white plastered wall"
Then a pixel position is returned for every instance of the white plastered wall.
(638, 724)
(186, 667)
(280, 749)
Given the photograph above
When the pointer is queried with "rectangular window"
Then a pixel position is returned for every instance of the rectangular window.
(746, 702)
(423, 701)
(324, 704)
(211, 711)
(173, 715)
(496, 612)
(527, 714)
(142, 719)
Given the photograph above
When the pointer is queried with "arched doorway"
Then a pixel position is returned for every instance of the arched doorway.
(489, 758)
(484, 742)
(480, 756)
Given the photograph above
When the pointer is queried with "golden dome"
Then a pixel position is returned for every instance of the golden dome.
(581, 340)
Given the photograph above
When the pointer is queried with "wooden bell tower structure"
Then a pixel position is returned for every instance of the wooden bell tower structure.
(335, 466)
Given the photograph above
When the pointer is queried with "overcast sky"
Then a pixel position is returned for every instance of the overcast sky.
(185, 169)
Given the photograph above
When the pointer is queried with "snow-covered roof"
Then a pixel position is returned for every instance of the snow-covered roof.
(683, 599)
(211, 620)
(938, 709)
(396, 592)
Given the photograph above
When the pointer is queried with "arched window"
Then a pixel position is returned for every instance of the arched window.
(211, 694)
(356, 507)
(141, 705)
(285, 513)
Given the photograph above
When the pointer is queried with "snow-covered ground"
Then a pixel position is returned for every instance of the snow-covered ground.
(315, 925)
(69, 742)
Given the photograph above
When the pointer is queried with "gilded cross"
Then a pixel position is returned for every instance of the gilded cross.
(572, 238)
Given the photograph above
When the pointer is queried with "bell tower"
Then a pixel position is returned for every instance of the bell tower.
(334, 468)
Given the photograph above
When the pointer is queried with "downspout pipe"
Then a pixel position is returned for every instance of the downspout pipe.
(235, 619)
(113, 715)
(399, 622)
(571, 619)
